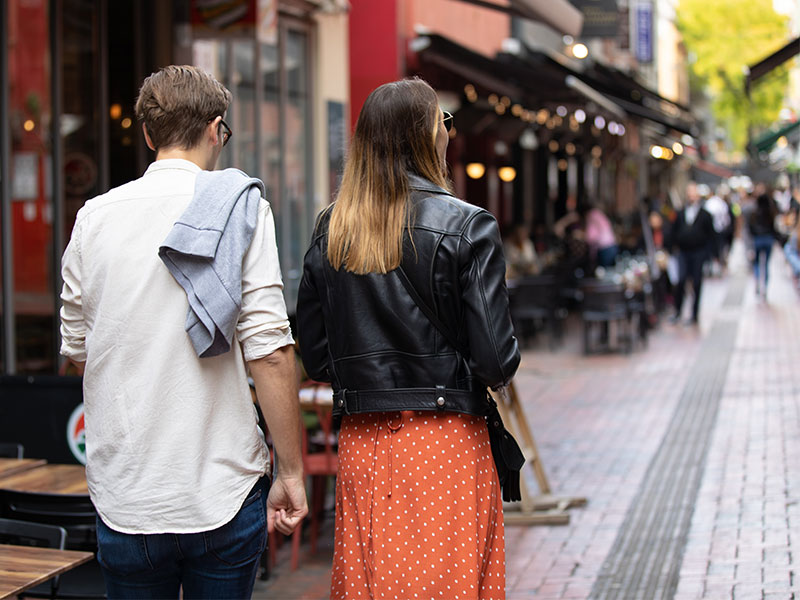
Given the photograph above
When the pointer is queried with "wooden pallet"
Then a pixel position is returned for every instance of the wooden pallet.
(544, 508)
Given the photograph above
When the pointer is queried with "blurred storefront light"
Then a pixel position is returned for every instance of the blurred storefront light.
(580, 116)
(561, 111)
(475, 170)
(677, 148)
(599, 122)
(553, 146)
(579, 51)
(507, 174)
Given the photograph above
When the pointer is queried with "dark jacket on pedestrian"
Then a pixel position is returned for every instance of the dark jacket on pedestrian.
(365, 333)
(761, 222)
(697, 235)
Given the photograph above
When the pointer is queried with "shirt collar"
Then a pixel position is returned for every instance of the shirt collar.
(173, 163)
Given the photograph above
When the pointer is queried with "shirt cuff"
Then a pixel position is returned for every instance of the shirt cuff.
(76, 352)
(266, 342)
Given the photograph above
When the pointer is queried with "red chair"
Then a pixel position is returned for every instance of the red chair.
(318, 465)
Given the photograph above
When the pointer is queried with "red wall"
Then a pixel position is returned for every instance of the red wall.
(375, 56)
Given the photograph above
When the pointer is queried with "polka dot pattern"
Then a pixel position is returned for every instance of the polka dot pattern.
(419, 512)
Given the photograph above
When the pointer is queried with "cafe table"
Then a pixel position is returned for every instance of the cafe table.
(10, 466)
(49, 479)
(23, 567)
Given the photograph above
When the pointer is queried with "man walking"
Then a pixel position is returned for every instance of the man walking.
(172, 289)
(692, 235)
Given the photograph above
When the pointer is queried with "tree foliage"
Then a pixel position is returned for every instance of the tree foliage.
(723, 37)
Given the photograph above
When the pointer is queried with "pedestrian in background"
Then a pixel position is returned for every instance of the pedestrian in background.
(692, 234)
(176, 464)
(761, 225)
(403, 308)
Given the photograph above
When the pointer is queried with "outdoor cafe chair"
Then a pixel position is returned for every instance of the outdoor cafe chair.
(75, 517)
(536, 300)
(24, 533)
(75, 513)
(11, 450)
(604, 303)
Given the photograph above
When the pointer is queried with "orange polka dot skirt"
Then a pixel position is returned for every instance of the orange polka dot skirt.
(419, 511)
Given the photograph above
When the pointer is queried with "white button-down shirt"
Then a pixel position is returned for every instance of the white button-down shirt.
(172, 440)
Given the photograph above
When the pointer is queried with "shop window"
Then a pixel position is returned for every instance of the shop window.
(270, 118)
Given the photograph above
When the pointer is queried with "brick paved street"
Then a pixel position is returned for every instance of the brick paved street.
(625, 432)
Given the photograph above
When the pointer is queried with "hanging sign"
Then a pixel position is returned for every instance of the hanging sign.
(644, 33)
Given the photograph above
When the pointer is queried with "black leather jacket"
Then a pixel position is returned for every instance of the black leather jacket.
(365, 332)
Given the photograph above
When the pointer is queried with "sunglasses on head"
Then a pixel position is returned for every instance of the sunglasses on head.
(448, 120)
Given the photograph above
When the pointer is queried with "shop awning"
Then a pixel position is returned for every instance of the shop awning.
(472, 67)
(533, 77)
(774, 60)
(562, 16)
(765, 141)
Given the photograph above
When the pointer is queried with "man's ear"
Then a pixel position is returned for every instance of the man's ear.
(147, 139)
(214, 134)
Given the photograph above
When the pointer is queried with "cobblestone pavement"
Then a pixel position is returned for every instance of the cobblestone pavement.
(712, 515)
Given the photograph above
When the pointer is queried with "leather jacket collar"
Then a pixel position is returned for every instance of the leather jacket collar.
(415, 182)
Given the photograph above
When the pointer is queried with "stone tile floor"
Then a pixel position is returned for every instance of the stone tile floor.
(598, 422)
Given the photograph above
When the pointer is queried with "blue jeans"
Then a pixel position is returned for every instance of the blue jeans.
(221, 563)
(762, 246)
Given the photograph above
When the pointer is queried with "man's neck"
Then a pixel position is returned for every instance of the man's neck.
(198, 156)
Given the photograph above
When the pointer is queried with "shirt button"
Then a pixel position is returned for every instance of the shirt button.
(440, 401)
(341, 402)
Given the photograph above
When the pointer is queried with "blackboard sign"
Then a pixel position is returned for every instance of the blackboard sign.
(45, 415)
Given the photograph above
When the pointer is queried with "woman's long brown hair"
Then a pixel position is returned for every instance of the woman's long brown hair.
(395, 135)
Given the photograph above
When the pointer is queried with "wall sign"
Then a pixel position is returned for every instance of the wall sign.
(644, 33)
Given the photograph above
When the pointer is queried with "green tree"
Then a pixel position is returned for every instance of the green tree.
(723, 37)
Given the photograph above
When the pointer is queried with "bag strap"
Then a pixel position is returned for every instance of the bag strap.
(426, 310)
(508, 457)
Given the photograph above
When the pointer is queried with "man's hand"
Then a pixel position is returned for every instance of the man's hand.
(286, 505)
(275, 377)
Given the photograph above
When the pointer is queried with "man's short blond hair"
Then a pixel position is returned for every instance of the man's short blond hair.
(176, 104)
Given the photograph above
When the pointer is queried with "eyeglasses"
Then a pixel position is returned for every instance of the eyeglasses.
(448, 120)
(227, 134)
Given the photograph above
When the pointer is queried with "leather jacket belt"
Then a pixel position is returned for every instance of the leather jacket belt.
(349, 402)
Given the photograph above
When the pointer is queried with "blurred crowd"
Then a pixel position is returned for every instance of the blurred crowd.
(681, 237)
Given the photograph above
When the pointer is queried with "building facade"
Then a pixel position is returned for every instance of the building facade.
(69, 76)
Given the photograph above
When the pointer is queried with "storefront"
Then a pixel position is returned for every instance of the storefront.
(69, 75)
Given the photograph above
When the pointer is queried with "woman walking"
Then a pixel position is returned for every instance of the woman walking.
(403, 308)
(761, 223)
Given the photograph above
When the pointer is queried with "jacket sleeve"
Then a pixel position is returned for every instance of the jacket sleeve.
(494, 353)
(311, 331)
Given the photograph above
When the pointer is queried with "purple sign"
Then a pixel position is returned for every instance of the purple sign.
(644, 33)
